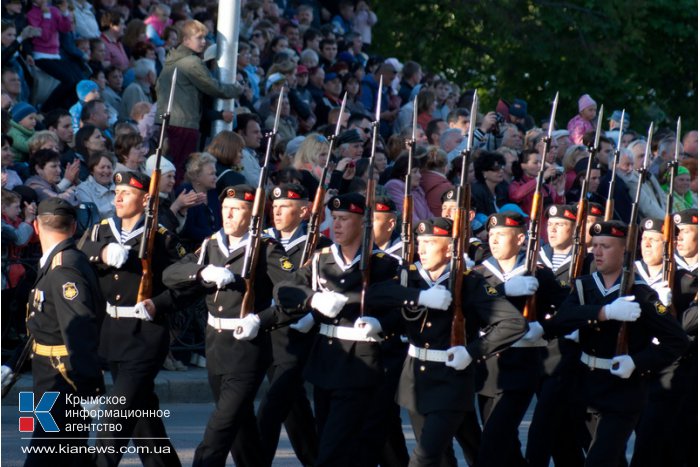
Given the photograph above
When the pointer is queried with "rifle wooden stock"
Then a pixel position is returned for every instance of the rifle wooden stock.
(408, 247)
(579, 251)
(458, 330)
(669, 263)
(533, 248)
(253, 249)
(314, 232)
(609, 209)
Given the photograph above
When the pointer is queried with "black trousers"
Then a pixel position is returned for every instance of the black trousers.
(434, 432)
(468, 437)
(340, 415)
(501, 417)
(232, 426)
(135, 382)
(286, 402)
(610, 432)
(556, 425)
(46, 378)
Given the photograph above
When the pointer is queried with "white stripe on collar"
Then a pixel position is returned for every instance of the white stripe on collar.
(601, 287)
(426, 277)
(642, 271)
(683, 265)
(294, 242)
(544, 259)
(503, 277)
(118, 235)
(339, 259)
(224, 248)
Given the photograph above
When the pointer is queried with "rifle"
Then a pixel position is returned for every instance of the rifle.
(460, 234)
(408, 247)
(150, 224)
(252, 251)
(533, 231)
(17, 367)
(368, 219)
(627, 279)
(579, 251)
(669, 265)
(610, 203)
(314, 232)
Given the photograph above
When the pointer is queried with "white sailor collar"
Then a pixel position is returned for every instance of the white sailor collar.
(116, 228)
(426, 277)
(643, 272)
(492, 265)
(684, 265)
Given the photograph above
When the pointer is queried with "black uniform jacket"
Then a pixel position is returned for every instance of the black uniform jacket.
(431, 386)
(515, 368)
(225, 353)
(65, 307)
(127, 339)
(335, 363)
(685, 291)
(599, 339)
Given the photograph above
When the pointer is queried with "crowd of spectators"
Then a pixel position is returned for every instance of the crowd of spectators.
(84, 82)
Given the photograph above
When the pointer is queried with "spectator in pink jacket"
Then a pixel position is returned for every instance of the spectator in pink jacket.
(395, 188)
(582, 123)
(52, 21)
(433, 179)
(522, 188)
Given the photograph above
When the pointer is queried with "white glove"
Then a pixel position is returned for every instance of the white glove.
(437, 297)
(520, 286)
(535, 332)
(5, 375)
(218, 275)
(458, 357)
(370, 326)
(573, 336)
(117, 255)
(623, 309)
(622, 366)
(247, 328)
(142, 312)
(664, 292)
(305, 324)
(328, 303)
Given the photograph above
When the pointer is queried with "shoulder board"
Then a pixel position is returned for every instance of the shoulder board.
(326, 250)
(412, 267)
(162, 230)
(467, 272)
(213, 236)
(57, 260)
(380, 254)
(104, 221)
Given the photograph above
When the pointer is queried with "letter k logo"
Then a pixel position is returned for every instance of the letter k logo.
(41, 411)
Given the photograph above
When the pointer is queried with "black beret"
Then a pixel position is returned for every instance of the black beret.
(506, 219)
(449, 195)
(617, 229)
(384, 204)
(349, 202)
(562, 211)
(242, 192)
(653, 225)
(435, 227)
(349, 136)
(292, 191)
(57, 207)
(687, 217)
(133, 179)
(596, 209)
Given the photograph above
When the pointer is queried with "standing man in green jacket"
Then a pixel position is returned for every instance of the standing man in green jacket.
(193, 80)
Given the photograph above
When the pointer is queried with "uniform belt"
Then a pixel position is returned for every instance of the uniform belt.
(525, 343)
(49, 350)
(345, 333)
(222, 324)
(595, 362)
(123, 311)
(427, 355)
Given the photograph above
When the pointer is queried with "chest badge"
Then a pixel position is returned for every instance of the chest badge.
(286, 264)
(70, 291)
(491, 290)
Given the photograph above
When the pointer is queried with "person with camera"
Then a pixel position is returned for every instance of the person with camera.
(487, 136)
(522, 189)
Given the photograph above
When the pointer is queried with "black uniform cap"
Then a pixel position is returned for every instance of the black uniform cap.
(562, 211)
(435, 227)
(242, 192)
(653, 225)
(506, 219)
(617, 229)
(596, 209)
(133, 179)
(57, 207)
(687, 217)
(349, 202)
(449, 195)
(292, 191)
(384, 204)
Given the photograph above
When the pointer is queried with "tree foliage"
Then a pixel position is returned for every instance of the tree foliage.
(636, 54)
